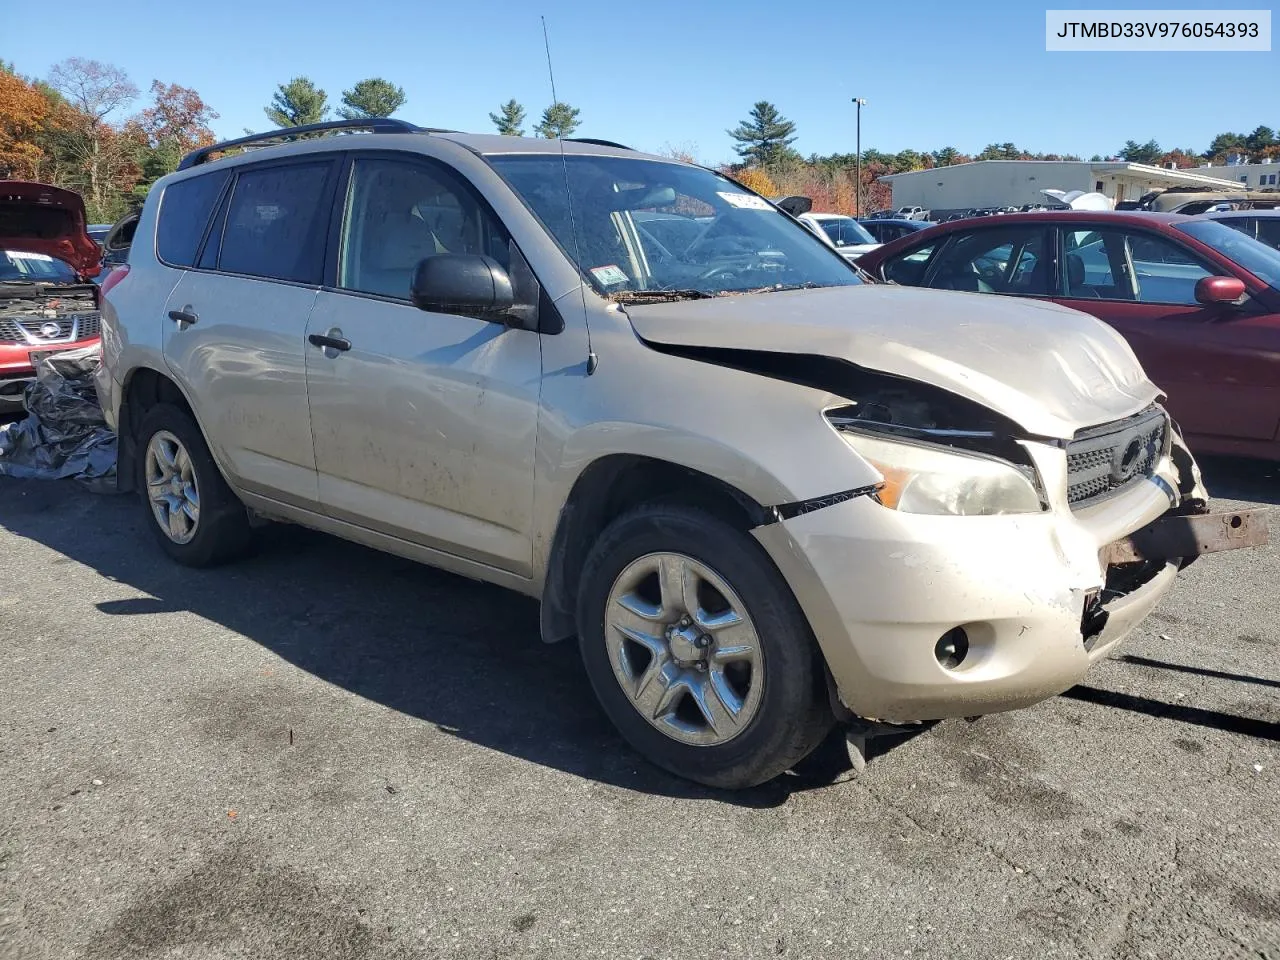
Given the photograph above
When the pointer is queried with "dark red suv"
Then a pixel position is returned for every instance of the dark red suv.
(1198, 302)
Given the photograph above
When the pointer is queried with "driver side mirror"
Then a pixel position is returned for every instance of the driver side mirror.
(468, 285)
(1214, 290)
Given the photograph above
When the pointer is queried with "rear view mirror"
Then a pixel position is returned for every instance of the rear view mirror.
(1211, 290)
(642, 198)
(468, 285)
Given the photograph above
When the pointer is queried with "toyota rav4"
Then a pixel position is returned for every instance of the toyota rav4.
(763, 494)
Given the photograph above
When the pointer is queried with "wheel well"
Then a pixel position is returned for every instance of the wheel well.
(605, 490)
(144, 389)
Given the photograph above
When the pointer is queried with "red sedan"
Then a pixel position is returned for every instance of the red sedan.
(1198, 302)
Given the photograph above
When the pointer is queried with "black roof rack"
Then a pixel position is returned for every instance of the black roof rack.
(598, 143)
(373, 125)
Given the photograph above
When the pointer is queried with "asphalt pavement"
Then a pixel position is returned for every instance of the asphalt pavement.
(325, 752)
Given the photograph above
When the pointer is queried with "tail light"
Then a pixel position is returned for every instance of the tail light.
(114, 277)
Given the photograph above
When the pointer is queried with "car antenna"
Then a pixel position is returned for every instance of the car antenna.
(592, 360)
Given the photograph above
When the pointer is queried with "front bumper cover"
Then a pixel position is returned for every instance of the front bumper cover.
(1039, 597)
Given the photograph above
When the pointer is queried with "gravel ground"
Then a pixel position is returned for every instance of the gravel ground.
(324, 752)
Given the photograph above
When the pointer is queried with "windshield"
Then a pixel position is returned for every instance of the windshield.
(1259, 259)
(845, 231)
(645, 229)
(17, 265)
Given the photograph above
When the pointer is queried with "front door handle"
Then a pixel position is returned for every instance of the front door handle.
(329, 343)
(184, 316)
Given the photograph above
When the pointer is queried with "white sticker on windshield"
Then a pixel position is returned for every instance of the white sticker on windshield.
(609, 275)
(745, 201)
(24, 255)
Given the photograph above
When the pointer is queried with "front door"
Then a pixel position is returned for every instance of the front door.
(235, 326)
(424, 426)
(1211, 360)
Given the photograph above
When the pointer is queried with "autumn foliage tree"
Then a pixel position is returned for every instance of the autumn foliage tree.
(176, 123)
(23, 112)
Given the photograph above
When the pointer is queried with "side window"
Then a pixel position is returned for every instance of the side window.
(1246, 225)
(1091, 261)
(398, 213)
(909, 268)
(1010, 261)
(1269, 231)
(1164, 272)
(275, 226)
(184, 213)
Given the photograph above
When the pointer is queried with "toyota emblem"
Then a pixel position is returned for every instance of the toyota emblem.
(49, 330)
(1130, 456)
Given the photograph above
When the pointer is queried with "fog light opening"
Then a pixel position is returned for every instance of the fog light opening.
(952, 647)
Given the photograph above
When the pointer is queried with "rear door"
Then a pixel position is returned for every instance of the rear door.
(237, 324)
(1206, 358)
(1014, 260)
(424, 422)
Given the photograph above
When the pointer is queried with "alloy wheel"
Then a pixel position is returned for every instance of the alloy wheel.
(172, 489)
(684, 649)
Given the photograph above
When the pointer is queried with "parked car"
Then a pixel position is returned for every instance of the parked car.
(760, 493)
(848, 236)
(48, 301)
(911, 213)
(886, 231)
(1198, 302)
(1262, 225)
(98, 232)
(1192, 201)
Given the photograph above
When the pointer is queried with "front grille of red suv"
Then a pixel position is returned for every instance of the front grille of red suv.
(70, 329)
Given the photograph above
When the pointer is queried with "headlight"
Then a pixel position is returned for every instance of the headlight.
(922, 478)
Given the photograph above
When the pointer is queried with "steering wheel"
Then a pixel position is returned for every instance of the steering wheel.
(717, 270)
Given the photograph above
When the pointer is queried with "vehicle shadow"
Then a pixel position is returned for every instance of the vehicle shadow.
(463, 656)
(1237, 478)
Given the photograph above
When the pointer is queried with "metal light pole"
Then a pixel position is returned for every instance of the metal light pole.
(857, 163)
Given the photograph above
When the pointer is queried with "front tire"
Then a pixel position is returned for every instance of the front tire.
(697, 650)
(192, 512)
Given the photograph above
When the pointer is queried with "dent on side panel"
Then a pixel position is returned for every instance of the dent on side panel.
(764, 436)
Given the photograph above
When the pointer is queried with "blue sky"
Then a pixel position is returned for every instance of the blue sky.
(681, 72)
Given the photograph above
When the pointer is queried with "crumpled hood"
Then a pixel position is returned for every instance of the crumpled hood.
(1050, 369)
(39, 218)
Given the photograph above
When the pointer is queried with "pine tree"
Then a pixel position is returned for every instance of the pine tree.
(558, 121)
(370, 98)
(765, 137)
(509, 119)
(296, 103)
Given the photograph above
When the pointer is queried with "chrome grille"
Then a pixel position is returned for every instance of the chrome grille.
(1103, 460)
(34, 331)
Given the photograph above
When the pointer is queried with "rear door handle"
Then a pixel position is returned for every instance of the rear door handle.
(331, 343)
(184, 316)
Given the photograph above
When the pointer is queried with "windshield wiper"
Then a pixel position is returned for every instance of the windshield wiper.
(659, 296)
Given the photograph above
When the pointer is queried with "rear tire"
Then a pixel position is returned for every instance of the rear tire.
(697, 650)
(192, 512)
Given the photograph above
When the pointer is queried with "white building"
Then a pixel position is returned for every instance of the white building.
(1012, 183)
(1256, 176)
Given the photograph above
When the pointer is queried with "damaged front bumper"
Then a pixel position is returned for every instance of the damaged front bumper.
(926, 617)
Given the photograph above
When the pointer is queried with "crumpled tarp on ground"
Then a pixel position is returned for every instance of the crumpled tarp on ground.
(63, 435)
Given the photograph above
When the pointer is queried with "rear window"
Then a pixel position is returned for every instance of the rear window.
(277, 223)
(184, 214)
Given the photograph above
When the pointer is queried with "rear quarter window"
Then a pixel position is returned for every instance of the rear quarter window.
(185, 209)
